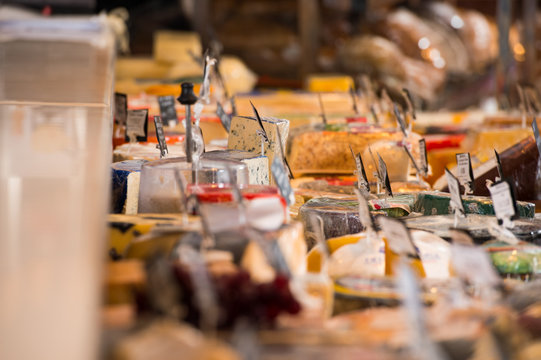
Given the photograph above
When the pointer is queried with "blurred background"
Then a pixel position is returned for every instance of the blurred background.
(451, 54)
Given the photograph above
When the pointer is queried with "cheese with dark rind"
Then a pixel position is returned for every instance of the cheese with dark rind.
(341, 216)
(438, 203)
(125, 176)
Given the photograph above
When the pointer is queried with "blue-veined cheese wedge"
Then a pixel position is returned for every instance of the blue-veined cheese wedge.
(258, 166)
(243, 135)
(125, 182)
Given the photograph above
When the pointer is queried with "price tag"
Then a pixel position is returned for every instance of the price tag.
(423, 157)
(362, 181)
(385, 176)
(398, 236)
(168, 112)
(536, 135)
(121, 108)
(454, 190)
(282, 180)
(473, 265)
(503, 200)
(409, 103)
(162, 144)
(461, 237)
(400, 119)
(323, 116)
(261, 130)
(353, 99)
(412, 159)
(464, 169)
(499, 164)
(364, 211)
(233, 106)
(137, 125)
(374, 114)
(282, 154)
(225, 118)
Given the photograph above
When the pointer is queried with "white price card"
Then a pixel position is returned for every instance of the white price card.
(464, 169)
(503, 200)
(137, 125)
(398, 236)
(454, 190)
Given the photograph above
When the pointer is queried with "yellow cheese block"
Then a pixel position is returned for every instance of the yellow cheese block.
(329, 83)
(176, 46)
(140, 68)
(123, 229)
(318, 152)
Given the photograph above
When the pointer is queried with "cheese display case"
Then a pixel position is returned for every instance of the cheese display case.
(157, 206)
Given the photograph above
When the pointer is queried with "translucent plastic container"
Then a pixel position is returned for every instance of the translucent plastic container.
(159, 192)
(56, 77)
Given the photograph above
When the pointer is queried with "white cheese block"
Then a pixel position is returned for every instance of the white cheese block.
(243, 136)
(258, 166)
(148, 151)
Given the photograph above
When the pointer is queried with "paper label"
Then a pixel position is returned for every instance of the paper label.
(137, 125)
(423, 156)
(464, 169)
(454, 190)
(323, 116)
(225, 118)
(499, 164)
(162, 144)
(121, 108)
(398, 236)
(473, 265)
(261, 131)
(364, 211)
(281, 178)
(409, 103)
(353, 99)
(167, 110)
(385, 176)
(536, 135)
(400, 120)
(412, 159)
(362, 181)
(503, 200)
(374, 114)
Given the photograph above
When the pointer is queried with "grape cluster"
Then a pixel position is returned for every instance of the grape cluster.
(237, 297)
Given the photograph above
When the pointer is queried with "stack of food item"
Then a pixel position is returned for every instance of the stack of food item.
(314, 222)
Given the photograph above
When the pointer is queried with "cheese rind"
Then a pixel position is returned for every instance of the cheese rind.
(125, 186)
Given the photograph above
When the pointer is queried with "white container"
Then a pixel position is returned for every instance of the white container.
(56, 77)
